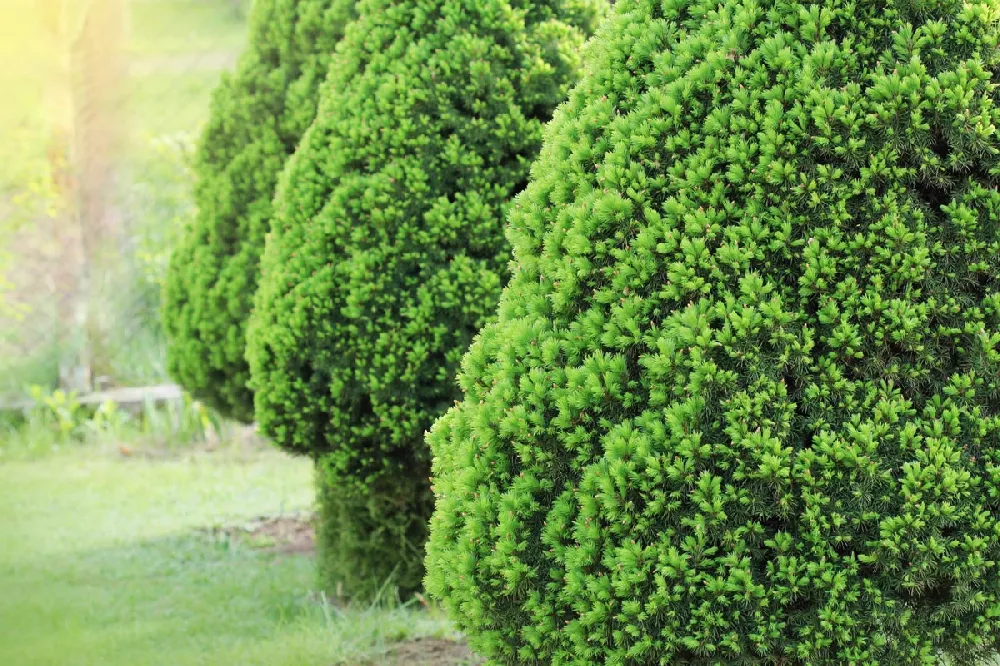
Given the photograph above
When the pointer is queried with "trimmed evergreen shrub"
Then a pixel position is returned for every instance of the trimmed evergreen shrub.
(740, 404)
(258, 115)
(387, 250)
(371, 544)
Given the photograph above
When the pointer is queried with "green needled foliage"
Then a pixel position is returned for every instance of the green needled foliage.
(387, 251)
(258, 115)
(369, 544)
(740, 404)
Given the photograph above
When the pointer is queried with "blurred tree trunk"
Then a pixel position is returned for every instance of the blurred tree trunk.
(83, 101)
(98, 73)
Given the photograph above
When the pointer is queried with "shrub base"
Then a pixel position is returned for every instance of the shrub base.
(368, 544)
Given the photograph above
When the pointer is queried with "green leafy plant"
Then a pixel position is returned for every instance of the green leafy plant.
(258, 115)
(387, 252)
(59, 419)
(739, 405)
(27, 194)
(61, 409)
(108, 422)
(180, 422)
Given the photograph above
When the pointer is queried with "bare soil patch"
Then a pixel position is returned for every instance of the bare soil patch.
(235, 442)
(295, 534)
(427, 652)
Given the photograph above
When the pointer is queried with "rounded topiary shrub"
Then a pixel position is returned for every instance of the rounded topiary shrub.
(387, 250)
(740, 403)
(258, 115)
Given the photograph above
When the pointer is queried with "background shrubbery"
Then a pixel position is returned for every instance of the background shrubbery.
(387, 251)
(739, 405)
(258, 115)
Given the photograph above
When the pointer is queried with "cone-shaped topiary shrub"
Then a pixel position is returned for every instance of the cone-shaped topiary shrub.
(387, 250)
(740, 404)
(258, 115)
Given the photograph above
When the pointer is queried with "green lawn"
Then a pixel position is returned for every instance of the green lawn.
(177, 51)
(165, 103)
(186, 26)
(104, 560)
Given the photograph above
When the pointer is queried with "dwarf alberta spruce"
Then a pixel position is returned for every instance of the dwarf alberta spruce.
(258, 115)
(387, 252)
(740, 404)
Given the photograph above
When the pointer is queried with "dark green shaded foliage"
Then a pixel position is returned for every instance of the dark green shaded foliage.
(387, 251)
(740, 402)
(371, 542)
(259, 113)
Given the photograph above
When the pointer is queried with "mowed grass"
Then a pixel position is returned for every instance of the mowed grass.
(104, 561)
(192, 26)
(177, 51)
(167, 103)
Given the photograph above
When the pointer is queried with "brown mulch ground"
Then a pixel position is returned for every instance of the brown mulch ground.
(294, 534)
(427, 652)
